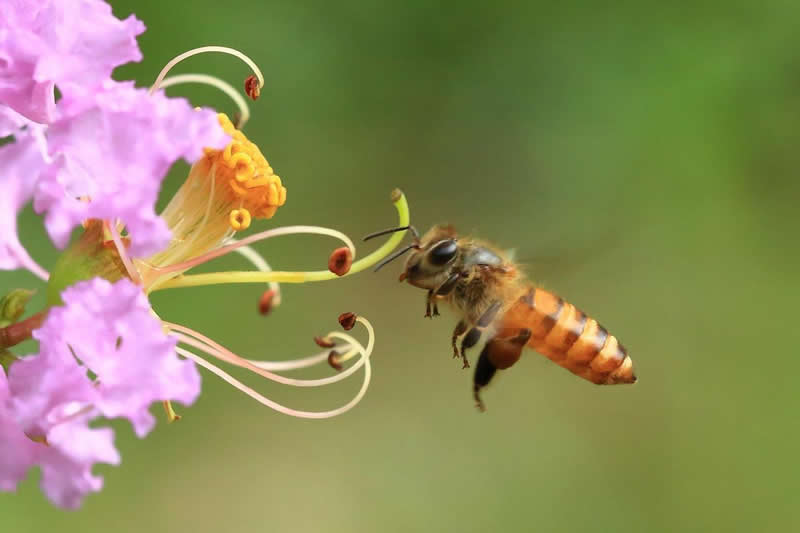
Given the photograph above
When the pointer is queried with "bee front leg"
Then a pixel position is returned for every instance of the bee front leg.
(428, 300)
(442, 290)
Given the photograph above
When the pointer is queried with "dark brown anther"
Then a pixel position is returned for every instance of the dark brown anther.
(324, 342)
(347, 320)
(333, 361)
(265, 302)
(340, 261)
(252, 87)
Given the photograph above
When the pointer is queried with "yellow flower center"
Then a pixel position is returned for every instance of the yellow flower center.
(252, 185)
(225, 190)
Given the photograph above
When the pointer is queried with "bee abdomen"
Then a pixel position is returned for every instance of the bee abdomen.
(568, 337)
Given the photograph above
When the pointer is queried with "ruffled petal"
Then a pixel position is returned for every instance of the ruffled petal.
(111, 329)
(50, 399)
(114, 150)
(18, 451)
(74, 44)
(73, 448)
(21, 163)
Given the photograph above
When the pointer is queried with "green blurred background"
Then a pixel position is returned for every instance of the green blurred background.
(641, 157)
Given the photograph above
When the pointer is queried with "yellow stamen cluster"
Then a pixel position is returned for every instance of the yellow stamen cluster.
(253, 185)
(225, 190)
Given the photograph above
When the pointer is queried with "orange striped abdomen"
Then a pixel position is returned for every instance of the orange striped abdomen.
(569, 338)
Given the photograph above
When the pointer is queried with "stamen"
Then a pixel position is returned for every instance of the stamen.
(201, 342)
(275, 405)
(223, 250)
(324, 342)
(202, 50)
(197, 340)
(265, 302)
(343, 358)
(295, 364)
(347, 320)
(340, 261)
(215, 278)
(333, 362)
(240, 219)
(172, 416)
(122, 251)
(213, 81)
(261, 264)
(252, 88)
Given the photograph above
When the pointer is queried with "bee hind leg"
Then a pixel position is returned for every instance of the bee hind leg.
(499, 353)
(474, 334)
(484, 372)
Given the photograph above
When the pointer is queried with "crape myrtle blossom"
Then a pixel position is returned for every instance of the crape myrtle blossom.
(95, 159)
(72, 44)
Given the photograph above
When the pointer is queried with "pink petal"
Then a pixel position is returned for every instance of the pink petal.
(115, 149)
(21, 162)
(74, 44)
(111, 329)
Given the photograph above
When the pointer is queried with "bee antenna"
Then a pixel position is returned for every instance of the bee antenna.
(394, 256)
(410, 228)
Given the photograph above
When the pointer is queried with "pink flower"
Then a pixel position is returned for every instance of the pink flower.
(105, 158)
(109, 328)
(97, 159)
(74, 44)
(44, 422)
(16, 189)
(50, 398)
(114, 148)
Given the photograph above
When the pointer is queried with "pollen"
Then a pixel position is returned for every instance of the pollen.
(240, 219)
(250, 178)
(226, 190)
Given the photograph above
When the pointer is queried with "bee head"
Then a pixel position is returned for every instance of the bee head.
(432, 256)
(432, 260)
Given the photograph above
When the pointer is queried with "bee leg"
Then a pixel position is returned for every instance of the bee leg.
(474, 334)
(488, 315)
(448, 285)
(470, 339)
(428, 304)
(442, 290)
(461, 328)
(484, 372)
(497, 354)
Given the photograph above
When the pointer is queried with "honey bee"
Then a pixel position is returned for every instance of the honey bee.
(494, 298)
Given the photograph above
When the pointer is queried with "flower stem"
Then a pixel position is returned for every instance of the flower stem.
(216, 278)
(20, 331)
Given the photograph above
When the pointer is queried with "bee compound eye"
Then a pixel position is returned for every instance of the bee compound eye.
(443, 252)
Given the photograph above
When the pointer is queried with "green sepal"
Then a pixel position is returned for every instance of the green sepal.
(90, 256)
(12, 306)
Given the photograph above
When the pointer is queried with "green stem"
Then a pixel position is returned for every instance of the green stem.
(216, 278)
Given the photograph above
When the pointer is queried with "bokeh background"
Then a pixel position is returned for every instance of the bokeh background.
(642, 159)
